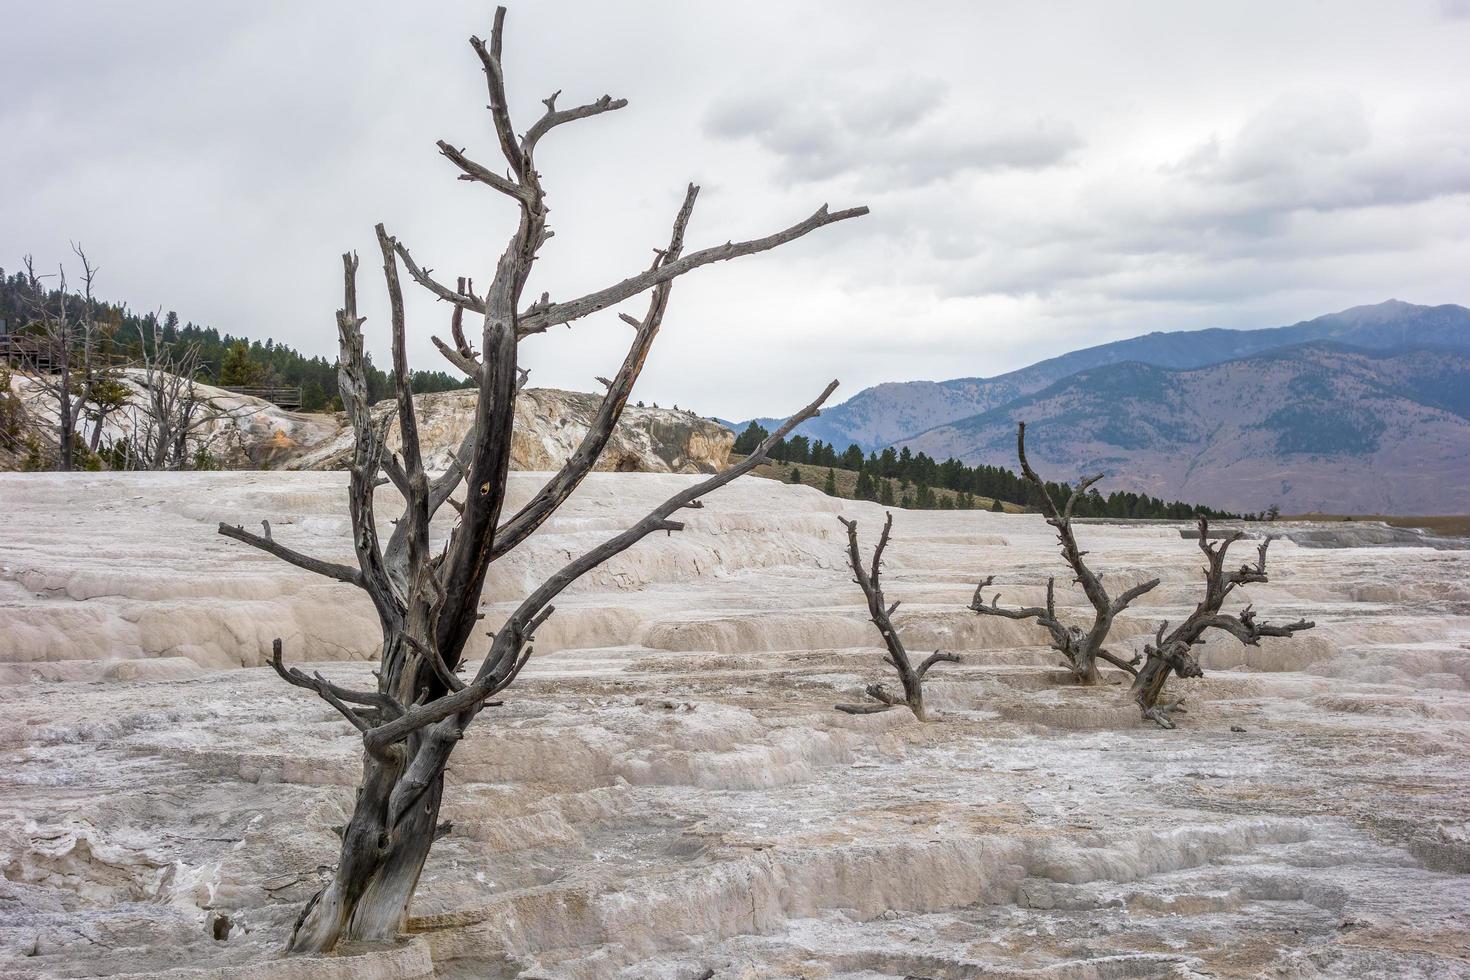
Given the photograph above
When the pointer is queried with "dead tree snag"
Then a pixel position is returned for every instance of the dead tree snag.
(428, 599)
(1080, 649)
(1172, 653)
(869, 579)
(68, 337)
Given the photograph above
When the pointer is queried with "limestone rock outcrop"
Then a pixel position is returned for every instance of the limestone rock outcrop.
(549, 425)
(248, 433)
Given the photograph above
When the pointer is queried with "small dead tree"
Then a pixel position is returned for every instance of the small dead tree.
(428, 598)
(1171, 653)
(68, 340)
(869, 579)
(1081, 649)
(173, 422)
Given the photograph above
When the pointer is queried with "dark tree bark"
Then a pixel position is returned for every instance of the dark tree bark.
(911, 678)
(1081, 649)
(1171, 653)
(428, 602)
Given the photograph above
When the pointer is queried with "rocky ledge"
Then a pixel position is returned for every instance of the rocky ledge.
(548, 427)
(249, 433)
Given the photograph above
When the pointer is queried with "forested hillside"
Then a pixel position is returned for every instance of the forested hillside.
(1321, 427)
(226, 359)
(904, 478)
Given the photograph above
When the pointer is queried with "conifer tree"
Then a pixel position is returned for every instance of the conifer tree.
(746, 442)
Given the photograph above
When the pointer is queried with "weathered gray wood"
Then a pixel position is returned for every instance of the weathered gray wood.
(428, 604)
(870, 580)
(1080, 649)
(70, 334)
(1171, 654)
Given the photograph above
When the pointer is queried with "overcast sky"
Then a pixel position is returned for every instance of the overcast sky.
(1042, 176)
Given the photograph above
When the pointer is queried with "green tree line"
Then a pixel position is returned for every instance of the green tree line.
(224, 359)
(907, 479)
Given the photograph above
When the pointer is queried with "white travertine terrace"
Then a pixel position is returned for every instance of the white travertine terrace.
(667, 790)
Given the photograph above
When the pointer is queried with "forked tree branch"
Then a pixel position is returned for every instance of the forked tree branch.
(330, 569)
(1080, 648)
(1173, 653)
(870, 580)
(600, 430)
(335, 695)
(508, 651)
(538, 318)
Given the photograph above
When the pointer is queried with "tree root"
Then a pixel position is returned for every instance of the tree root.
(1160, 713)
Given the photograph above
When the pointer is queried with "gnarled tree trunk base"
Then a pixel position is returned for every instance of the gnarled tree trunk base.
(378, 868)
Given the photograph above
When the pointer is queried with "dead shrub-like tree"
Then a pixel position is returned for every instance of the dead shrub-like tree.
(67, 365)
(428, 598)
(1172, 653)
(1080, 649)
(174, 425)
(869, 579)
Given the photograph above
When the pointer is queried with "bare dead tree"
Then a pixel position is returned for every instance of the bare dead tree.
(174, 422)
(870, 580)
(68, 335)
(1172, 653)
(1081, 649)
(428, 600)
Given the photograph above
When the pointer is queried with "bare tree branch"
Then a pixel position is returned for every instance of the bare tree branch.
(520, 627)
(481, 173)
(1080, 649)
(870, 580)
(1172, 653)
(538, 318)
(332, 570)
(600, 430)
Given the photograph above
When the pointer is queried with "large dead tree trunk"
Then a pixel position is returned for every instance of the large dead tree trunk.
(1080, 649)
(428, 600)
(911, 678)
(1171, 654)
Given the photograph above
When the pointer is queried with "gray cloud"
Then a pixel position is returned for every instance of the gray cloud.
(896, 134)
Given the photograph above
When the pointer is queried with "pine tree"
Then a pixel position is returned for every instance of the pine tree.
(746, 442)
(886, 496)
(795, 476)
(830, 487)
(239, 369)
(865, 489)
(996, 508)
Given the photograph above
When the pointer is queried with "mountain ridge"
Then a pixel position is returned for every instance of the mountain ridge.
(1318, 426)
(888, 413)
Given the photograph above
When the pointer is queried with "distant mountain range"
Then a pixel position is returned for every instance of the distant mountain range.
(1363, 411)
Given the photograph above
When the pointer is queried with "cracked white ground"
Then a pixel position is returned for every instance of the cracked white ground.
(667, 792)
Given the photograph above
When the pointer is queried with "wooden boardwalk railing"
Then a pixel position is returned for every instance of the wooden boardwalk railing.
(287, 398)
